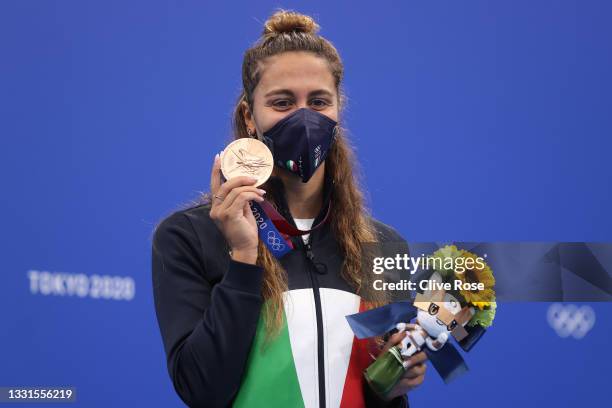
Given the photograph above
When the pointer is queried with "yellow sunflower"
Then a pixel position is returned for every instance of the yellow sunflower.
(480, 273)
(482, 305)
(484, 318)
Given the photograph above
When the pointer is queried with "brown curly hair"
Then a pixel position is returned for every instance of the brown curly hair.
(350, 221)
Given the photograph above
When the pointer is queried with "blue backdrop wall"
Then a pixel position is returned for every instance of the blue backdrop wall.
(472, 120)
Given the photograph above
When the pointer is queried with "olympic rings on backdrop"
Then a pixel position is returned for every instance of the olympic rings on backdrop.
(571, 320)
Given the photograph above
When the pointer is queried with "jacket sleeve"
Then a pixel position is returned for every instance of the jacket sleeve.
(393, 243)
(207, 330)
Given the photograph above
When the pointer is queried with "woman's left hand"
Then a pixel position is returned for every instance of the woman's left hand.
(414, 374)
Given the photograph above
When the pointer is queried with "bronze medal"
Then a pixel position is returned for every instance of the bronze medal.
(247, 157)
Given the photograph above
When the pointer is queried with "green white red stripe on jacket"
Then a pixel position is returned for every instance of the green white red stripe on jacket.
(284, 373)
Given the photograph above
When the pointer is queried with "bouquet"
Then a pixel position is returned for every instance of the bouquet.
(458, 300)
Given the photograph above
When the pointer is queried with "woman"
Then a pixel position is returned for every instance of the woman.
(240, 326)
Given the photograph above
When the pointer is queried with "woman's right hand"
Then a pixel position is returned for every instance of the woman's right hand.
(232, 213)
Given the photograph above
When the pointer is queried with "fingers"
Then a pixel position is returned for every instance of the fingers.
(393, 340)
(410, 383)
(232, 207)
(231, 184)
(415, 371)
(412, 378)
(242, 199)
(414, 374)
(246, 212)
(417, 358)
(229, 199)
(215, 175)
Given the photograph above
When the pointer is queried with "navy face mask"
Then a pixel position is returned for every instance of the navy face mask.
(300, 141)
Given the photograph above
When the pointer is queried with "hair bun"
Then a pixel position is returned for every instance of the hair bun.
(284, 21)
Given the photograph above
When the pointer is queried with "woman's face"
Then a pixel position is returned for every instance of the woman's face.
(290, 81)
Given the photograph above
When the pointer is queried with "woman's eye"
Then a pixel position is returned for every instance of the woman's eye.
(282, 103)
(319, 103)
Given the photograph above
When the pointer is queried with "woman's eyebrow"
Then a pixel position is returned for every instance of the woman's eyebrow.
(321, 92)
(289, 92)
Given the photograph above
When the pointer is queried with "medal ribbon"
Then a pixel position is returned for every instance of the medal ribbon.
(270, 221)
(284, 226)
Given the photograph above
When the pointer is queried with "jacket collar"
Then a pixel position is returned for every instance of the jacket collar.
(280, 194)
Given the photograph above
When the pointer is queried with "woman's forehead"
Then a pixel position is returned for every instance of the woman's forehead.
(297, 72)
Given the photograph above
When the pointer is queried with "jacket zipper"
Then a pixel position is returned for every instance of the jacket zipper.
(319, 315)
